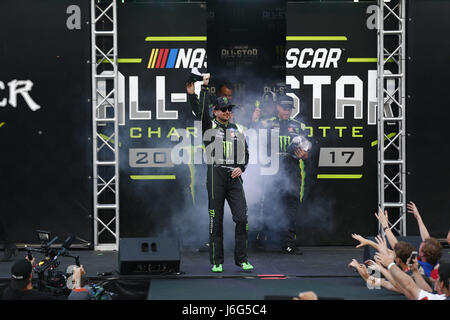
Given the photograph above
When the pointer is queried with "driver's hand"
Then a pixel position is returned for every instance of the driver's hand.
(301, 154)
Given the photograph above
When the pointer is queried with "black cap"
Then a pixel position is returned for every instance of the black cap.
(285, 102)
(222, 102)
(20, 274)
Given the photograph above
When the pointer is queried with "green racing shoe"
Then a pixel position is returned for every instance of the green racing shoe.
(246, 266)
(217, 268)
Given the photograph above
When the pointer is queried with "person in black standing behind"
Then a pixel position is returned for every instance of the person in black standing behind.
(280, 208)
(224, 179)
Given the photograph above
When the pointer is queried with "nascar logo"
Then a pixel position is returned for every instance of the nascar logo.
(175, 58)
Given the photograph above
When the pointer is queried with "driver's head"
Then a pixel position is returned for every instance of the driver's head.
(222, 109)
(285, 105)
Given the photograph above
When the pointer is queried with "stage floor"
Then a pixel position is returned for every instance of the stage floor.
(315, 262)
(321, 269)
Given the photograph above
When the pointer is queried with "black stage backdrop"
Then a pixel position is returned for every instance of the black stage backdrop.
(246, 44)
(331, 68)
(427, 115)
(45, 160)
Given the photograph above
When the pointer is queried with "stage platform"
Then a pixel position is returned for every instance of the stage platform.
(320, 269)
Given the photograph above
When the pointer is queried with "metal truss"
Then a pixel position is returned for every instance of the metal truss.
(105, 124)
(391, 91)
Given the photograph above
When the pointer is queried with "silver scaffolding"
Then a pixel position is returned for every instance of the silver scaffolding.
(391, 93)
(105, 124)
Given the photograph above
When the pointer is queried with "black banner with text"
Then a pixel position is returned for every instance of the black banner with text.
(331, 71)
(45, 119)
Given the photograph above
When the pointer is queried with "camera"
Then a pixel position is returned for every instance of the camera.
(48, 277)
(43, 236)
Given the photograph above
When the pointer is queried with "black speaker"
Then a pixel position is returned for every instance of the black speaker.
(145, 256)
(369, 252)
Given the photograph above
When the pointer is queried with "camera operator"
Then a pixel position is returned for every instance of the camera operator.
(21, 287)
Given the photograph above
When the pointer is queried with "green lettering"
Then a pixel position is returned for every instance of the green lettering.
(355, 132)
(340, 130)
(173, 131)
(150, 132)
(192, 131)
(310, 131)
(135, 136)
(324, 130)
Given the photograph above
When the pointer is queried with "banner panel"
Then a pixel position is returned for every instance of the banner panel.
(45, 119)
(159, 44)
(427, 115)
(331, 70)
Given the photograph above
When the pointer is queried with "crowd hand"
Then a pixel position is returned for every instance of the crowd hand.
(206, 78)
(382, 246)
(78, 272)
(360, 268)
(383, 258)
(373, 265)
(373, 282)
(413, 209)
(414, 265)
(256, 114)
(363, 271)
(300, 153)
(369, 262)
(190, 88)
(362, 241)
(236, 173)
(382, 218)
(354, 264)
(309, 295)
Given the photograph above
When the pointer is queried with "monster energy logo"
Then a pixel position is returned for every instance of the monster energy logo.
(211, 219)
(227, 148)
(284, 142)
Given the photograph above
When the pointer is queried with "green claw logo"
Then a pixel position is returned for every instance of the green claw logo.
(284, 142)
(227, 148)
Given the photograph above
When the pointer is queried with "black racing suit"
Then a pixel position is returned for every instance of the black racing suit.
(284, 191)
(219, 183)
